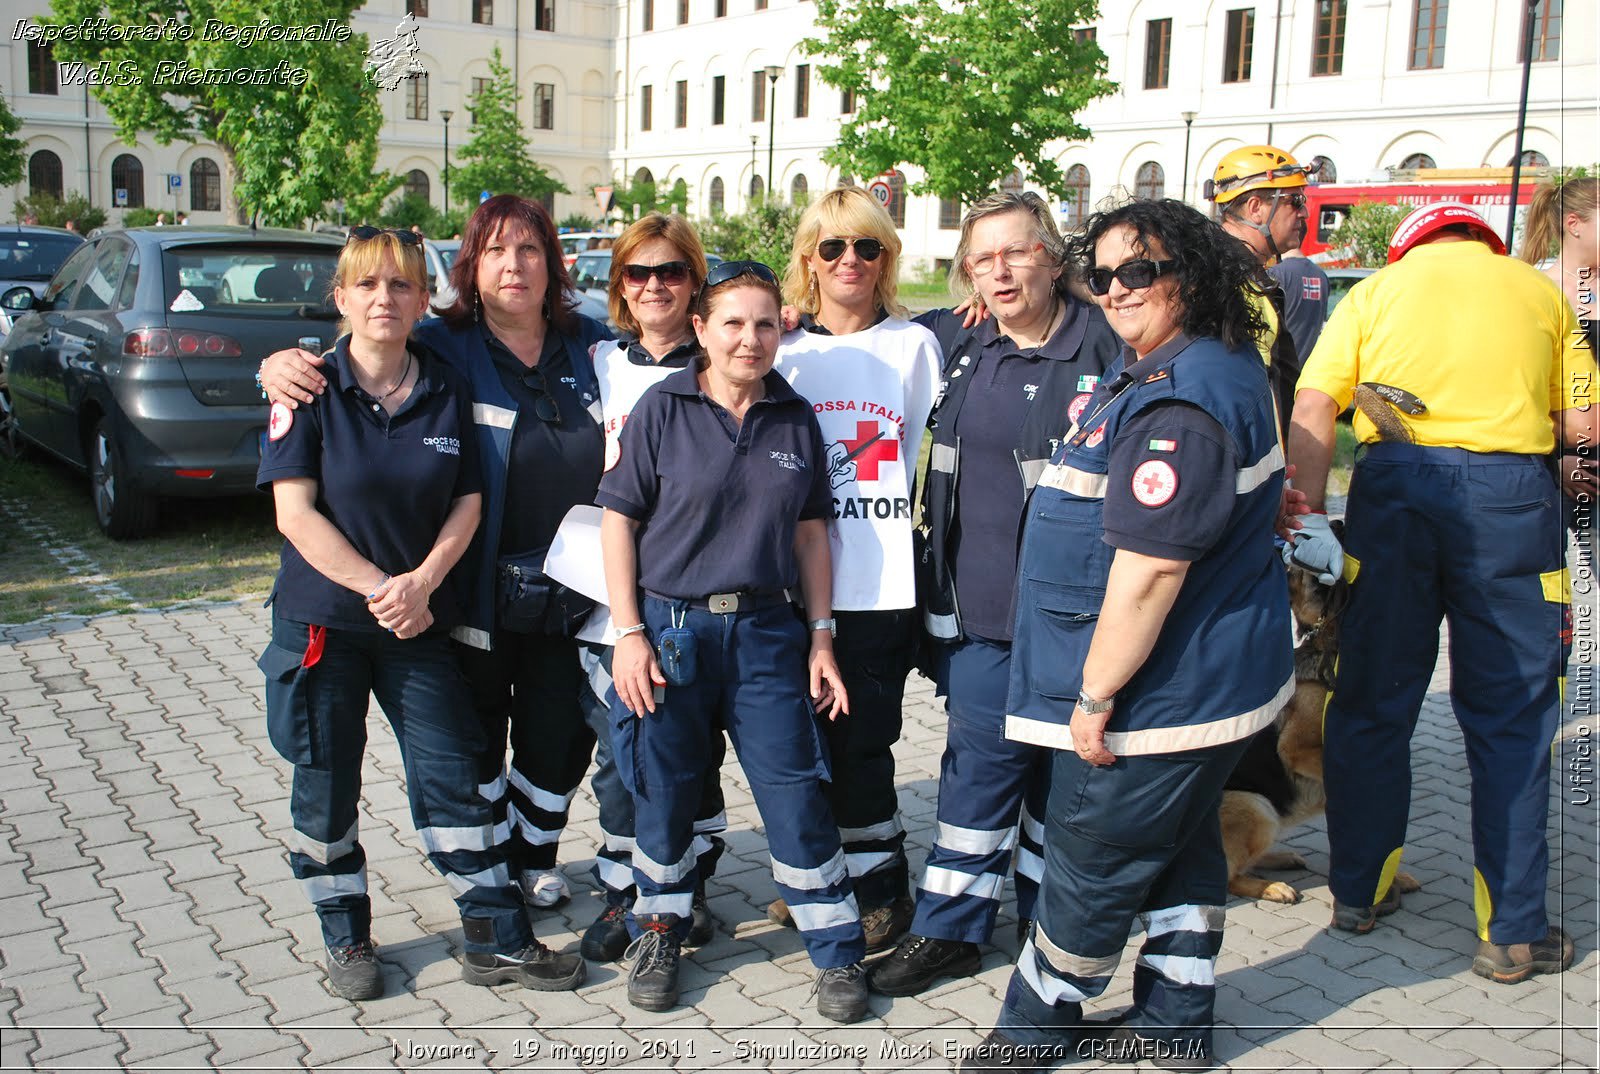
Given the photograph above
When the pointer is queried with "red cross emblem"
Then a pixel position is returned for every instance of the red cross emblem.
(278, 421)
(868, 449)
(1155, 482)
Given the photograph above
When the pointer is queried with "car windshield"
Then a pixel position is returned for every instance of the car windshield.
(447, 254)
(33, 256)
(254, 280)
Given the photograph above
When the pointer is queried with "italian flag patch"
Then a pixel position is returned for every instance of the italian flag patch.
(1163, 445)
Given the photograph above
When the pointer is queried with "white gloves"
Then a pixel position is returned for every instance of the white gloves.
(1314, 548)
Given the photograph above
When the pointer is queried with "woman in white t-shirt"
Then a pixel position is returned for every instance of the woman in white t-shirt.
(871, 376)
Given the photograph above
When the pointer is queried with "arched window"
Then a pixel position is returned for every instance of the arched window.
(845, 180)
(205, 186)
(128, 174)
(643, 176)
(1077, 200)
(799, 189)
(44, 174)
(756, 187)
(1326, 172)
(1531, 158)
(1012, 184)
(718, 196)
(417, 184)
(897, 197)
(1150, 181)
(1417, 160)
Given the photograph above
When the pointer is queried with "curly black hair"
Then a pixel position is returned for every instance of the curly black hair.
(1217, 274)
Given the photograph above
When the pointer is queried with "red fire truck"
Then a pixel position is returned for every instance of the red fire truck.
(1488, 190)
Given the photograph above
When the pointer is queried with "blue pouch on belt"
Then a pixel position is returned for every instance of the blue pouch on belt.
(676, 650)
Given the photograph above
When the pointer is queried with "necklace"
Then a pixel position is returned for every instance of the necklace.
(1050, 327)
(385, 396)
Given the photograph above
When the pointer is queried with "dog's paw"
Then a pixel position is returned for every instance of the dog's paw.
(1280, 860)
(1278, 891)
(1406, 882)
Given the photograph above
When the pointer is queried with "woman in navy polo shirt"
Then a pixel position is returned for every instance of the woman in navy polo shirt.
(514, 334)
(716, 512)
(378, 492)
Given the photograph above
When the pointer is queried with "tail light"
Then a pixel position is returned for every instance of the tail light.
(166, 343)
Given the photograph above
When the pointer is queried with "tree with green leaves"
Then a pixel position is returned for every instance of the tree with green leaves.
(636, 199)
(13, 150)
(290, 144)
(52, 211)
(966, 92)
(1365, 231)
(496, 153)
(764, 232)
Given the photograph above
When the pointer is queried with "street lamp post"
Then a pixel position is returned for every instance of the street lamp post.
(1188, 126)
(772, 72)
(754, 175)
(445, 115)
(1522, 121)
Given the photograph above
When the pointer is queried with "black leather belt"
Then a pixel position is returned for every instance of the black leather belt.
(729, 603)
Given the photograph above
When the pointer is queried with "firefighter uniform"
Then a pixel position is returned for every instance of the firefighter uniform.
(1462, 523)
(1175, 457)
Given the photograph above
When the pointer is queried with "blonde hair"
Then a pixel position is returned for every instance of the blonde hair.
(676, 230)
(844, 211)
(365, 257)
(1551, 203)
(1044, 232)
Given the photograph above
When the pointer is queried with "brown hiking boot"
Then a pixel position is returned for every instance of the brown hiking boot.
(1363, 919)
(1513, 962)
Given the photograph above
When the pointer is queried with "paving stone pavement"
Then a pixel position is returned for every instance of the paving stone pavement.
(148, 920)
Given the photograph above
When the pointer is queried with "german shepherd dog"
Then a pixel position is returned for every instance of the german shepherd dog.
(1278, 782)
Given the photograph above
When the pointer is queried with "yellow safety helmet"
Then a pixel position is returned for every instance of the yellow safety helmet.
(1255, 167)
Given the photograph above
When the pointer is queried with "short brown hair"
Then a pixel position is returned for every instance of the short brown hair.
(1044, 232)
(676, 230)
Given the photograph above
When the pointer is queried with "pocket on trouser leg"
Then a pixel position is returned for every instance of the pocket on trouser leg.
(625, 728)
(289, 709)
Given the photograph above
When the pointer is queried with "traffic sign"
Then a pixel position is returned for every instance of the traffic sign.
(174, 183)
(882, 191)
(603, 198)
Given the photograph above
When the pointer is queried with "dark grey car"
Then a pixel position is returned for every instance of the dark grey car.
(29, 257)
(138, 362)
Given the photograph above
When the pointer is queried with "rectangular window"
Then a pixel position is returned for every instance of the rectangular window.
(758, 96)
(683, 12)
(419, 8)
(649, 15)
(680, 105)
(544, 106)
(1084, 34)
(1240, 43)
(42, 69)
(483, 12)
(1327, 55)
(847, 102)
(802, 90)
(544, 16)
(1428, 20)
(720, 9)
(646, 98)
(1547, 31)
(1157, 52)
(479, 85)
(949, 214)
(417, 97)
(719, 100)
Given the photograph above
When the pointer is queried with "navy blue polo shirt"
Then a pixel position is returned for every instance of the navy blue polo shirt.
(989, 490)
(683, 354)
(553, 466)
(1171, 472)
(809, 323)
(386, 482)
(718, 500)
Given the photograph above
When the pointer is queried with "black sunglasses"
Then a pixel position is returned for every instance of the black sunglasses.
(1134, 275)
(365, 232)
(732, 270)
(544, 404)
(833, 249)
(669, 271)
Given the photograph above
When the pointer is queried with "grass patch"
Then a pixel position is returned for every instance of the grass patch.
(1344, 459)
(219, 549)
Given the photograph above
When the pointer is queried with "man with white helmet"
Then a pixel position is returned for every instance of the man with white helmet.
(1453, 514)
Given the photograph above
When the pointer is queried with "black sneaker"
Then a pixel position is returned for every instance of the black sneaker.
(535, 966)
(704, 927)
(354, 973)
(921, 960)
(842, 993)
(607, 938)
(1363, 919)
(1510, 963)
(884, 925)
(999, 1052)
(653, 981)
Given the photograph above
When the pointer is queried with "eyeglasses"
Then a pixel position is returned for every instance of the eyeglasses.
(1297, 200)
(732, 270)
(1015, 256)
(833, 249)
(544, 404)
(669, 271)
(366, 232)
(1135, 275)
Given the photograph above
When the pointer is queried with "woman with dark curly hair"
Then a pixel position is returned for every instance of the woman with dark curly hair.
(1147, 659)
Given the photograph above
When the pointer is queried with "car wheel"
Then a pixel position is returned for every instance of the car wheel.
(11, 445)
(122, 511)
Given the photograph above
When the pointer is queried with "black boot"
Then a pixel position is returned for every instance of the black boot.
(607, 938)
(653, 981)
(921, 960)
(534, 966)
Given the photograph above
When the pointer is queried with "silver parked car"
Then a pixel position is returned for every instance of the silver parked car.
(29, 257)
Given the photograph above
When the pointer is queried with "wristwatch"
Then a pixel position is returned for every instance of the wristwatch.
(830, 625)
(1094, 706)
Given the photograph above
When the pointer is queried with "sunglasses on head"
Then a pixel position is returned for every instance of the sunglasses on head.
(1134, 275)
(732, 270)
(544, 404)
(668, 271)
(366, 232)
(833, 249)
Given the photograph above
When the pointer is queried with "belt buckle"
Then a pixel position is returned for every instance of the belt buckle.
(723, 603)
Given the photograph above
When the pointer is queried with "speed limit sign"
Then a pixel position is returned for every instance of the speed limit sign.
(881, 191)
